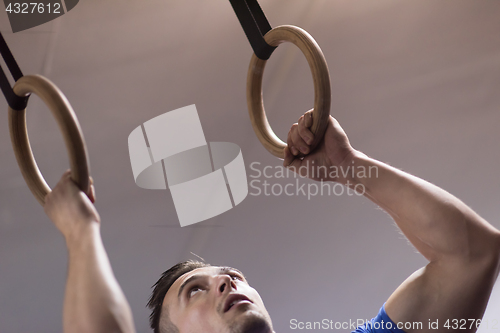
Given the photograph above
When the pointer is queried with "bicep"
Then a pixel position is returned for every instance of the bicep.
(441, 291)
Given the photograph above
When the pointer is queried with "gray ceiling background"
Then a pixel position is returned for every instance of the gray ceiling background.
(414, 83)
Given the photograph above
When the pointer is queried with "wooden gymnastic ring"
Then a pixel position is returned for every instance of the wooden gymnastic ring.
(321, 79)
(68, 124)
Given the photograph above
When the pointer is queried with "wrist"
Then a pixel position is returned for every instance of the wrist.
(82, 235)
(350, 168)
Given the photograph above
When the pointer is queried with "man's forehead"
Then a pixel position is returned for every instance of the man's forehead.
(210, 270)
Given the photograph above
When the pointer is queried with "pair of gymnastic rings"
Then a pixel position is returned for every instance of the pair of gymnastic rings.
(73, 136)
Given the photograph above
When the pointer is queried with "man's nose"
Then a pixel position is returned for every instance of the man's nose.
(224, 284)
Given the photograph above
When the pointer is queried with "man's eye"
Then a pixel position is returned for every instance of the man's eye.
(193, 291)
(236, 277)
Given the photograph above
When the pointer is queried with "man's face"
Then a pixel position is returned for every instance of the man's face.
(215, 299)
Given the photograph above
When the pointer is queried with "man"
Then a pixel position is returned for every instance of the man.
(463, 252)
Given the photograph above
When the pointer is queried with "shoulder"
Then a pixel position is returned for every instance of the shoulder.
(380, 324)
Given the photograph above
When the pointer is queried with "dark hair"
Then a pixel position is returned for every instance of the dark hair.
(161, 287)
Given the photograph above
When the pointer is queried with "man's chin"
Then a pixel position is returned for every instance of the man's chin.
(251, 322)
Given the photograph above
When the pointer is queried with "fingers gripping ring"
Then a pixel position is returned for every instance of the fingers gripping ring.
(321, 79)
(69, 126)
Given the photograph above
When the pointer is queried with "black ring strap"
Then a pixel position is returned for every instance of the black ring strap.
(255, 25)
(14, 101)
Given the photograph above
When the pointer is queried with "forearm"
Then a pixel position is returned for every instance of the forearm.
(436, 222)
(463, 249)
(94, 302)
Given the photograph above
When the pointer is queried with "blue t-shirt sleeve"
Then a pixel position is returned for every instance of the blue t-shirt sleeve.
(380, 324)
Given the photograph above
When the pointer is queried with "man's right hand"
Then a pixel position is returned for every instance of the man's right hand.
(70, 209)
(93, 301)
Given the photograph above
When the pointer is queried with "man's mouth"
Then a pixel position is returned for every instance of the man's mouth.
(235, 299)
